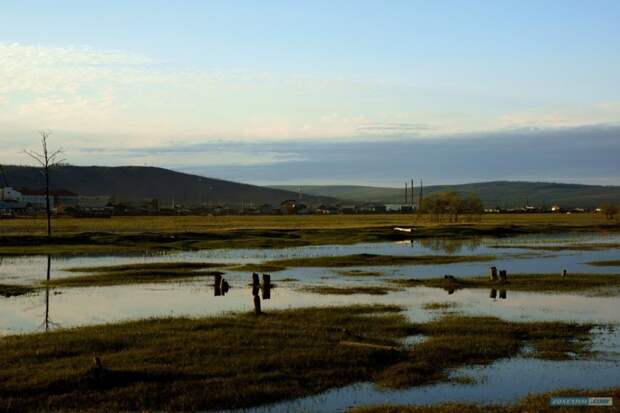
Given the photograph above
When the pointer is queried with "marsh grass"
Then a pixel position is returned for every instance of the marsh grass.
(564, 247)
(538, 403)
(7, 290)
(349, 290)
(438, 306)
(455, 341)
(360, 273)
(236, 361)
(259, 268)
(607, 263)
(135, 274)
(377, 260)
(523, 282)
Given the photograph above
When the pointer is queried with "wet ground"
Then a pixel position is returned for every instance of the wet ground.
(504, 380)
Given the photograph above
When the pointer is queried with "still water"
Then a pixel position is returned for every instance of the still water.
(504, 380)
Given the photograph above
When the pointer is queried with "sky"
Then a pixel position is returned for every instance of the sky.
(285, 92)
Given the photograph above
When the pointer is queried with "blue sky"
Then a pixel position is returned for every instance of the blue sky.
(119, 76)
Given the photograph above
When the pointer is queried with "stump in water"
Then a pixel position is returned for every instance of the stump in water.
(502, 294)
(257, 304)
(224, 286)
(493, 274)
(503, 276)
(564, 273)
(493, 294)
(266, 286)
(255, 280)
(217, 285)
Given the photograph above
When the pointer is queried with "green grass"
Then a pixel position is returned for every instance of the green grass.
(241, 360)
(535, 403)
(7, 290)
(608, 263)
(326, 290)
(377, 260)
(134, 274)
(524, 282)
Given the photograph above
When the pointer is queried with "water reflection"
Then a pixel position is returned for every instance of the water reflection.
(449, 245)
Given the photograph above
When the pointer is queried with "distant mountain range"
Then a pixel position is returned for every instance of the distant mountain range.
(136, 183)
(505, 194)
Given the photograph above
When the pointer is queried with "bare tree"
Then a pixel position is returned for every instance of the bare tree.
(46, 159)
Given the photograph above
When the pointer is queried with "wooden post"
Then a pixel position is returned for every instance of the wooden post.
(217, 285)
(563, 273)
(493, 294)
(493, 274)
(266, 286)
(255, 280)
(503, 276)
(224, 286)
(502, 294)
(257, 304)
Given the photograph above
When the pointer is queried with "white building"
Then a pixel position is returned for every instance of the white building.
(10, 194)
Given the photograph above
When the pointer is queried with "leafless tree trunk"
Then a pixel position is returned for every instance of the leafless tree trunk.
(46, 160)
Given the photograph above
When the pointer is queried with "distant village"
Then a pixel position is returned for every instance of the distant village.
(28, 202)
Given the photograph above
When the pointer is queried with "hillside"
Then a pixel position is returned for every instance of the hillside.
(133, 183)
(505, 194)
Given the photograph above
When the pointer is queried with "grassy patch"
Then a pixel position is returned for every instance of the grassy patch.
(535, 403)
(565, 247)
(607, 263)
(326, 290)
(523, 282)
(438, 306)
(192, 364)
(455, 341)
(375, 260)
(360, 273)
(259, 268)
(134, 274)
(235, 361)
(7, 290)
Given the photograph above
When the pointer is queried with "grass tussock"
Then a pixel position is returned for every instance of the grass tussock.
(135, 274)
(327, 290)
(524, 282)
(377, 260)
(7, 290)
(535, 403)
(236, 361)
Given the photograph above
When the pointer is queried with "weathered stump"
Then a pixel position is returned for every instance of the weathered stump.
(503, 276)
(224, 286)
(493, 273)
(564, 273)
(257, 305)
(493, 294)
(217, 287)
(502, 294)
(255, 280)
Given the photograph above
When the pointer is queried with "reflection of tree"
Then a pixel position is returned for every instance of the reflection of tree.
(451, 245)
(47, 322)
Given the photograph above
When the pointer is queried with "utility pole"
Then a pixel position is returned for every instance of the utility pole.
(412, 202)
(406, 196)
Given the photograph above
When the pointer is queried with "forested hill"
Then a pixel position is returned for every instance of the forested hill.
(506, 194)
(135, 183)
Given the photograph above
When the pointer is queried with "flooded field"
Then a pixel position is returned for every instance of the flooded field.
(506, 379)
